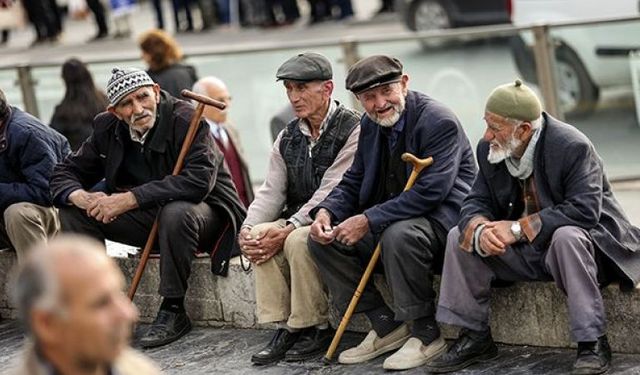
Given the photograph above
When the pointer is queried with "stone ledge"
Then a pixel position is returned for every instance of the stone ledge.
(524, 314)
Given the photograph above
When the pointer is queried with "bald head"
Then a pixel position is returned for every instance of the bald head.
(214, 88)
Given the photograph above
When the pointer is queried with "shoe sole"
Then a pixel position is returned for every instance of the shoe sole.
(167, 340)
(303, 357)
(589, 371)
(481, 358)
(418, 363)
(264, 361)
(374, 354)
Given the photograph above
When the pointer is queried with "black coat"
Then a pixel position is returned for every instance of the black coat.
(202, 179)
(28, 152)
(572, 190)
(431, 129)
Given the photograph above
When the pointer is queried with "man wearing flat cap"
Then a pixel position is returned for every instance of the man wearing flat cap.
(369, 206)
(541, 208)
(307, 160)
(134, 148)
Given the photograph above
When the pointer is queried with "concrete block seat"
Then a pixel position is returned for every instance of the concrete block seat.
(532, 313)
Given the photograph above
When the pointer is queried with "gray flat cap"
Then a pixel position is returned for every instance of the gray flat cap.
(308, 66)
(373, 71)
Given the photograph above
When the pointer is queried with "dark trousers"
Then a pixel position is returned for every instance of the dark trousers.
(412, 252)
(98, 12)
(42, 17)
(5, 243)
(157, 6)
(184, 229)
(179, 7)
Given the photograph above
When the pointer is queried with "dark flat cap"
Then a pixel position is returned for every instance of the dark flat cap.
(308, 66)
(372, 72)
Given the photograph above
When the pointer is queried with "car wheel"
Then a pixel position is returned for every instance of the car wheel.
(577, 93)
(427, 15)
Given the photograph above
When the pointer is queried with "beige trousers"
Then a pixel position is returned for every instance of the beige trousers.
(288, 286)
(27, 224)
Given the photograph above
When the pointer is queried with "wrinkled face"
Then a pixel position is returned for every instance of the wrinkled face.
(308, 98)
(97, 315)
(138, 109)
(385, 104)
(501, 134)
(220, 94)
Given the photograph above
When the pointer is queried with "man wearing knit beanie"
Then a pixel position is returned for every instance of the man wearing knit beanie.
(133, 150)
(541, 208)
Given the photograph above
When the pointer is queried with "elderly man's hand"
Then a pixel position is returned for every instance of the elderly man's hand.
(267, 244)
(248, 245)
(83, 199)
(321, 230)
(352, 230)
(108, 208)
(496, 236)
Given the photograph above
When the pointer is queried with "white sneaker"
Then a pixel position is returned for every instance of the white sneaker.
(414, 353)
(372, 346)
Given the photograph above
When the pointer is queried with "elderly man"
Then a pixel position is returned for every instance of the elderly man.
(69, 297)
(226, 136)
(28, 152)
(134, 148)
(307, 160)
(541, 208)
(369, 205)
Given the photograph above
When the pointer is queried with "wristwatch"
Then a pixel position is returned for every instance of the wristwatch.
(516, 230)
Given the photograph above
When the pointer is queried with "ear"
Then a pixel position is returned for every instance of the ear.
(156, 90)
(404, 84)
(526, 131)
(44, 326)
(112, 109)
(328, 87)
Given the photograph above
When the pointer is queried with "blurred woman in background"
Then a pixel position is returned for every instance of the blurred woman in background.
(163, 57)
(81, 103)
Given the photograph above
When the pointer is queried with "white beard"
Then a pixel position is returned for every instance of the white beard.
(391, 120)
(498, 152)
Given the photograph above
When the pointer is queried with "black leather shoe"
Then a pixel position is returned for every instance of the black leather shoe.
(470, 347)
(593, 358)
(311, 343)
(282, 341)
(166, 328)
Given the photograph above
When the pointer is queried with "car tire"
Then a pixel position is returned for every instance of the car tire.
(577, 94)
(424, 15)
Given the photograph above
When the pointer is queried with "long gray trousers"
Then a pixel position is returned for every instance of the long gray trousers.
(411, 254)
(570, 261)
(184, 229)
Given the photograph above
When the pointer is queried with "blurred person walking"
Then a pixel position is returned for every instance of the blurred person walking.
(101, 19)
(82, 101)
(42, 17)
(163, 56)
(70, 300)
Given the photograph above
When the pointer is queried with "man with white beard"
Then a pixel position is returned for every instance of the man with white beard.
(369, 205)
(541, 208)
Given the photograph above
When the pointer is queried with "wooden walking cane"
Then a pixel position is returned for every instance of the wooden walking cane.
(418, 166)
(186, 145)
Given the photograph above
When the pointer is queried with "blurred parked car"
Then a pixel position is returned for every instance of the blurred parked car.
(422, 15)
(588, 58)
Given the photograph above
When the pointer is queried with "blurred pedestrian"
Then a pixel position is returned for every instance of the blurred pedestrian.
(163, 57)
(12, 16)
(386, 6)
(101, 19)
(121, 13)
(82, 101)
(182, 14)
(70, 300)
(226, 135)
(43, 19)
(282, 12)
